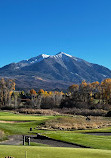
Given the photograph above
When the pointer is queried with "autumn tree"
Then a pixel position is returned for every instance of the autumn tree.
(33, 97)
(106, 90)
(16, 98)
(6, 89)
(84, 89)
(73, 88)
(33, 92)
(51, 99)
(41, 91)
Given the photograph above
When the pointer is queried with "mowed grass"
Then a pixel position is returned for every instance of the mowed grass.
(2, 113)
(52, 152)
(93, 141)
(97, 142)
(8, 116)
(26, 122)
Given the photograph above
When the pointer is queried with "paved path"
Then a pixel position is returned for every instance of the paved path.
(13, 140)
(54, 143)
(99, 133)
(17, 140)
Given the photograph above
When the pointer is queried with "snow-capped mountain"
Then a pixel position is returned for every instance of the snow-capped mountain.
(28, 62)
(53, 71)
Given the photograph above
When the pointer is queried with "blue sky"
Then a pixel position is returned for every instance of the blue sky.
(81, 28)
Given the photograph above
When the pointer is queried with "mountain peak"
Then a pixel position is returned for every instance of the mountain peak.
(53, 71)
(60, 54)
(44, 55)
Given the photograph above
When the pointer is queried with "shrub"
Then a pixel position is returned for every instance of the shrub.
(7, 108)
(108, 114)
(82, 111)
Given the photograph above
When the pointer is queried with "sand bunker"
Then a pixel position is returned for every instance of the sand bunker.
(13, 121)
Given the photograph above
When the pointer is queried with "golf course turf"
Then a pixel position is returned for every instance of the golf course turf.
(52, 152)
(100, 145)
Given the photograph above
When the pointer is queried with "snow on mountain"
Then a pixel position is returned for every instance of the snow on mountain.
(65, 56)
(54, 71)
(60, 57)
(33, 60)
(61, 54)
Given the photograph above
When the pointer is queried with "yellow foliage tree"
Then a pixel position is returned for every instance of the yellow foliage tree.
(41, 91)
(106, 89)
(73, 87)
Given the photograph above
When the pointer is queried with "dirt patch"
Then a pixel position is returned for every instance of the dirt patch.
(13, 121)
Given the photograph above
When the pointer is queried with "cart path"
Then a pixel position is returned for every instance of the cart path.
(17, 140)
(99, 133)
(12, 140)
(54, 143)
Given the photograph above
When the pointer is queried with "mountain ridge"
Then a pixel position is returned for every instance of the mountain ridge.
(53, 71)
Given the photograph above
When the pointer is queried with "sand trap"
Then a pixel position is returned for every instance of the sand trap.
(13, 121)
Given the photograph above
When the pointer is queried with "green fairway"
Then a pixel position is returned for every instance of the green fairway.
(7, 116)
(93, 141)
(22, 127)
(2, 113)
(36, 144)
(97, 142)
(18, 128)
(50, 152)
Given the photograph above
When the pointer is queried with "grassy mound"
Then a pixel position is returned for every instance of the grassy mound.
(78, 122)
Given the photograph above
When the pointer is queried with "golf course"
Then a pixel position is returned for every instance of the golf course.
(15, 124)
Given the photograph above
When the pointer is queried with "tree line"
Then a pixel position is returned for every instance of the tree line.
(89, 95)
(10, 98)
(83, 95)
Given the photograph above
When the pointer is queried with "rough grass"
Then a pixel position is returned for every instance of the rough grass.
(38, 111)
(78, 122)
(1, 134)
(51, 152)
(83, 111)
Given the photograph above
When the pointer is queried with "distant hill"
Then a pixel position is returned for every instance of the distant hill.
(52, 72)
